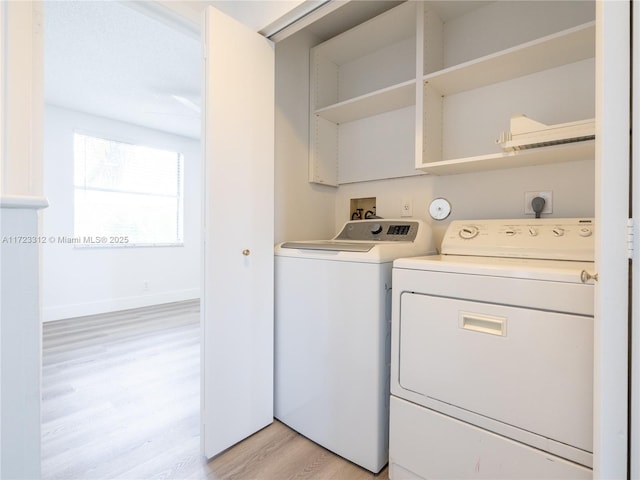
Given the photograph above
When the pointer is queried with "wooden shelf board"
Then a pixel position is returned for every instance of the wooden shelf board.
(385, 100)
(561, 48)
(535, 156)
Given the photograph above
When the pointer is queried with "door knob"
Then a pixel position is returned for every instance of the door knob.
(246, 252)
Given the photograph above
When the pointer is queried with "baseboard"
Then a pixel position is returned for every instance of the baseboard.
(116, 304)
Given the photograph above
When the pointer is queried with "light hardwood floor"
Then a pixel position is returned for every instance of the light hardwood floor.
(121, 399)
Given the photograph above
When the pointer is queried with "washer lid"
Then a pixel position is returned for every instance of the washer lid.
(330, 245)
(366, 241)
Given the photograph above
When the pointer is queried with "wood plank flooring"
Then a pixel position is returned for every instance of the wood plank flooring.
(121, 400)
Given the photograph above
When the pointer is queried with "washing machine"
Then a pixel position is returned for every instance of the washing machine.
(332, 335)
(492, 353)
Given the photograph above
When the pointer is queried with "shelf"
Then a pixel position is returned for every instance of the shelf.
(552, 51)
(388, 28)
(536, 156)
(381, 101)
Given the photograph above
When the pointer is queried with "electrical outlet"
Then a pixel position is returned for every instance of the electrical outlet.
(407, 208)
(548, 202)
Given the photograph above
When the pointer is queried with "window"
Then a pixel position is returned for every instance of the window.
(127, 192)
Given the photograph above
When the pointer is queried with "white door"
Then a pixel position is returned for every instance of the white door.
(635, 273)
(237, 296)
(612, 209)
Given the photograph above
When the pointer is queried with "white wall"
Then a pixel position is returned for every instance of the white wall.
(303, 211)
(20, 201)
(310, 211)
(492, 194)
(83, 281)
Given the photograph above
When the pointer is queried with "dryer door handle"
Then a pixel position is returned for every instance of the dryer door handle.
(477, 322)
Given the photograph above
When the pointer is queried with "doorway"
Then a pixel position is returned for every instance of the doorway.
(113, 73)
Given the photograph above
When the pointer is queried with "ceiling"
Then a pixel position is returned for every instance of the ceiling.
(128, 61)
(110, 60)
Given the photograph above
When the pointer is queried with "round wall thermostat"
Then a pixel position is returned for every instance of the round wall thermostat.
(439, 209)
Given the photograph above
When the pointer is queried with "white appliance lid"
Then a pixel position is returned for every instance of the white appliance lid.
(367, 241)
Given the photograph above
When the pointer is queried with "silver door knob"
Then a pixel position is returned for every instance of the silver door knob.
(246, 252)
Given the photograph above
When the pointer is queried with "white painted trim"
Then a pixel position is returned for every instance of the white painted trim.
(635, 263)
(298, 18)
(2, 160)
(303, 20)
(116, 304)
(23, 201)
(611, 213)
(3, 103)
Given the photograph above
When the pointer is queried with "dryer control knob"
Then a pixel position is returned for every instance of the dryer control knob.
(468, 232)
(376, 228)
(533, 232)
(558, 232)
(585, 232)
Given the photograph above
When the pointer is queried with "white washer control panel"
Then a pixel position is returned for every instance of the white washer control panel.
(547, 238)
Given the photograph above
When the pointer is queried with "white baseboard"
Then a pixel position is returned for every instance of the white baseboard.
(115, 304)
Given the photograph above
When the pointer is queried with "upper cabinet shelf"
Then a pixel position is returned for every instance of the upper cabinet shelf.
(522, 158)
(362, 97)
(370, 104)
(389, 28)
(497, 61)
(429, 86)
(568, 46)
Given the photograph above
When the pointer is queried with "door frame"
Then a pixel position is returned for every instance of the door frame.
(634, 424)
(612, 303)
(611, 213)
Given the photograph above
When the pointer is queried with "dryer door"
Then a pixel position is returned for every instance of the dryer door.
(527, 368)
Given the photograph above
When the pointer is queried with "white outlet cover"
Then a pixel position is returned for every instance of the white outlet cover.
(548, 201)
(407, 208)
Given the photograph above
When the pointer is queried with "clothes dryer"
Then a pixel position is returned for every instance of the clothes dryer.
(492, 353)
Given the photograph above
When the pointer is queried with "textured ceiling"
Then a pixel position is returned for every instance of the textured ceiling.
(120, 60)
(107, 59)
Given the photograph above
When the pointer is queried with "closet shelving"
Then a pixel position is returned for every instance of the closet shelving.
(554, 50)
(407, 93)
(370, 104)
(547, 53)
(362, 80)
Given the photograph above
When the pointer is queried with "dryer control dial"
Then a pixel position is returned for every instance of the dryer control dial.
(585, 232)
(542, 238)
(468, 232)
(376, 228)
